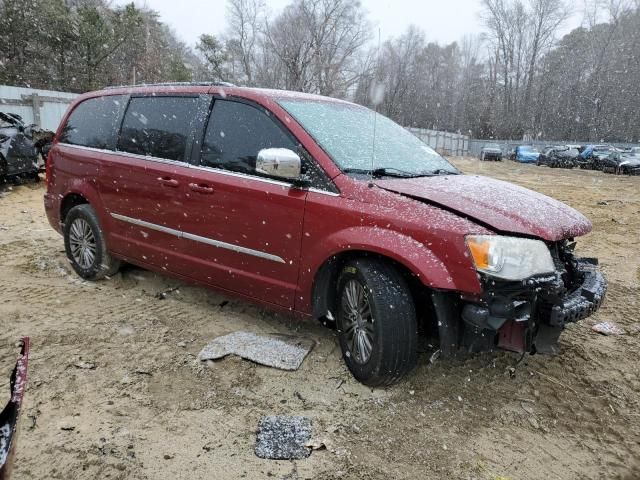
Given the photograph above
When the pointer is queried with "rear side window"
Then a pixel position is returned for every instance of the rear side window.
(94, 122)
(158, 126)
(236, 133)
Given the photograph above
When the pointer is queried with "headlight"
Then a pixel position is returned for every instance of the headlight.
(509, 258)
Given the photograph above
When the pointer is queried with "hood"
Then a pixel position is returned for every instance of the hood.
(503, 206)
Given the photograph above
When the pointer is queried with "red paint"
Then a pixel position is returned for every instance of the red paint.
(511, 336)
(304, 228)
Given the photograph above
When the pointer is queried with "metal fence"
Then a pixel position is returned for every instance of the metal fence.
(42, 107)
(443, 142)
(507, 145)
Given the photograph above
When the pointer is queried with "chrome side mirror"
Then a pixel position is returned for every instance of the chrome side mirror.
(279, 162)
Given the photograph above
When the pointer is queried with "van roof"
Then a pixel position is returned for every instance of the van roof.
(220, 88)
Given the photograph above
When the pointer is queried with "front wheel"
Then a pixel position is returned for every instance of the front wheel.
(85, 244)
(376, 322)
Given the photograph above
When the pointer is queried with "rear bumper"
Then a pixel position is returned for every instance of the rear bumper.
(52, 208)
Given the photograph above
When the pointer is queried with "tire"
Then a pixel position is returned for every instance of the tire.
(386, 321)
(82, 233)
(482, 157)
(3, 169)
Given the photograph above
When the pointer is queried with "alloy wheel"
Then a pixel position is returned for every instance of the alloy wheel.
(358, 321)
(83, 243)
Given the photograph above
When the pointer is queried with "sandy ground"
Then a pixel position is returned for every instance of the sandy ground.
(150, 410)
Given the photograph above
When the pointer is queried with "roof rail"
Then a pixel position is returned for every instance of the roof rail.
(174, 84)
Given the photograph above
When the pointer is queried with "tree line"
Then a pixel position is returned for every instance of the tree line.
(516, 80)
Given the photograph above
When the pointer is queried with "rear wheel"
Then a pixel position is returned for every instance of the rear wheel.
(85, 244)
(376, 322)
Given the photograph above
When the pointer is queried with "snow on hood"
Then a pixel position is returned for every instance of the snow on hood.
(501, 205)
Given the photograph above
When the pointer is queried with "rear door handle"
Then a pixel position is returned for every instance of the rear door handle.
(169, 182)
(200, 188)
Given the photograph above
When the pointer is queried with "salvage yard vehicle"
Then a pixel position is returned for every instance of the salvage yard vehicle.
(290, 200)
(628, 163)
(558, 157)
(491, 151)
(10, 415)
(21, 147)
(591, 156)
(525, 154)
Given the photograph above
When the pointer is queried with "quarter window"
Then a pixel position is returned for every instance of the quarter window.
(158, 126)
(236, 133)
(94, 122)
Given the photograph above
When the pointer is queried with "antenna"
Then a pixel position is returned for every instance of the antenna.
(375, 94)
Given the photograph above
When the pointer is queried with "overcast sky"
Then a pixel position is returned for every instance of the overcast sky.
(444, 21)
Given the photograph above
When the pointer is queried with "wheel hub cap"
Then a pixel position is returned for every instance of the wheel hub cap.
(358, 321)
(82, 243)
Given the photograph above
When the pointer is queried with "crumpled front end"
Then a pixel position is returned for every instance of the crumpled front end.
(529, 315)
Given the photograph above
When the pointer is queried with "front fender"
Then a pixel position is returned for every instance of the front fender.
(405, 250)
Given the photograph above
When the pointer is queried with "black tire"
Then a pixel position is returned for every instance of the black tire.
(391, 322)
(101, 264)
(3, 169)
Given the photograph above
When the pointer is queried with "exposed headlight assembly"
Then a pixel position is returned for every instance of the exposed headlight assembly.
(509, 258)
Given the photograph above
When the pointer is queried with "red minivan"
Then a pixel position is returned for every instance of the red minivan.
(320, 207)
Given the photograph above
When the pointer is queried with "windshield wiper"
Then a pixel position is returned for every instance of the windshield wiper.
(441, 171)
(384, 172)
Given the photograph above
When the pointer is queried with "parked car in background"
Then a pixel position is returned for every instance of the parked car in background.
(491, 151)
(10, 415)
(272, 196)
(21, 147)
(560, 156)
(526, 154)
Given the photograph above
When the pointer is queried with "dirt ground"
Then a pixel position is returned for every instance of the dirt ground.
(150, 410)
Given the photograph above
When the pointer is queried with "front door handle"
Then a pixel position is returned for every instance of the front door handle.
(200, 188)
(169, 182)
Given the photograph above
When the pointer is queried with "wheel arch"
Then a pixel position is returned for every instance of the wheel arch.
(68, 202)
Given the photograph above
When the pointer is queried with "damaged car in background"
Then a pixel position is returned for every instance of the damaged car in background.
(559, 157)
(22, 147)
(291, 200)
(625, 162)
(10, 415)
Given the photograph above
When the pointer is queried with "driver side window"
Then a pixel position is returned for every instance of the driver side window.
(236, 133)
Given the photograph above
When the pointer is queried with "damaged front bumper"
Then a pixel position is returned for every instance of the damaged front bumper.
(530, 315)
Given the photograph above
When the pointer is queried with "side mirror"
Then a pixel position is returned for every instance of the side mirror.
(279, 162)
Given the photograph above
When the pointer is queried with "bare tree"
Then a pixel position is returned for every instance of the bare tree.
(245, 20)
(317, 42)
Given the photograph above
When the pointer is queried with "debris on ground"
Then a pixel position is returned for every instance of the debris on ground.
(163, 295)
(608, 328)
(282, 437)
(279, 351)
(85, 365)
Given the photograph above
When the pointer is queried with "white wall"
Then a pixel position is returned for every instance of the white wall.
(51, 112)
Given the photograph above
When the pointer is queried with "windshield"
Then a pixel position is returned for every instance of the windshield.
(492, 145)
(346, 132)
(527, 149)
